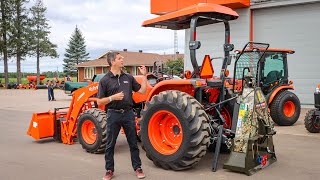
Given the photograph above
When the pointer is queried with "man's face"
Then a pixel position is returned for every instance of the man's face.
(118, 62)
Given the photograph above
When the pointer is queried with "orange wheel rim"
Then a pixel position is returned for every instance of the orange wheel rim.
(165, 132)
(289, 108)
(227, 117)
(225, 114)
(89, 132)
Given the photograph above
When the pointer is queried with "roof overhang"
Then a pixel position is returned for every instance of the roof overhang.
(270, 4)
(289, 51)
(180, 19)
(160, 7)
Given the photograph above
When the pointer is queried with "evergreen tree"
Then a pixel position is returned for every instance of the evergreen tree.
(75, 53)
(20, 36)
(41, 45)
(6, 10)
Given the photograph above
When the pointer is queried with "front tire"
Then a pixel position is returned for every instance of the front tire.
(92, 131)
(285, 108)
(312, 121)
(175, 130)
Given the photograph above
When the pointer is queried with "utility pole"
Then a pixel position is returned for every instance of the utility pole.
(175, 44)
(57, 72)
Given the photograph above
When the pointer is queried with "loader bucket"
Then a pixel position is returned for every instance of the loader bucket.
(41, 125)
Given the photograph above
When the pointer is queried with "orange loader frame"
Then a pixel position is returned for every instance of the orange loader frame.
(61, 123)
(45, 124)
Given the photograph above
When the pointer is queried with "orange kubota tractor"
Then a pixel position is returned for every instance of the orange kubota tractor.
(175, 127)
(180, 119)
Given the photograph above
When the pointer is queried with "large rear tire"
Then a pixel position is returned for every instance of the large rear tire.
(285, 108)
(174, 130)
(312, 121)
(92, 131)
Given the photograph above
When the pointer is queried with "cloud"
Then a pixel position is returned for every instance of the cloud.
(106, 25)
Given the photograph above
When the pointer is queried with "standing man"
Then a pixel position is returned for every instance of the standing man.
(115, 91)
(51, 85)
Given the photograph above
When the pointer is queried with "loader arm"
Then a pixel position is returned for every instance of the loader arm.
(79, 99)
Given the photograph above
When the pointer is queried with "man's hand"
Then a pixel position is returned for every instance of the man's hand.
(119, 96)
(143, 70)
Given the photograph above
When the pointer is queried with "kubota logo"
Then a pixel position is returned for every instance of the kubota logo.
(93, 88)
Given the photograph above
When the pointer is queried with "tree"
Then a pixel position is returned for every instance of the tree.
(175, 67)
(75, 53)
(6, 16)
(20, 36)
(41, 45)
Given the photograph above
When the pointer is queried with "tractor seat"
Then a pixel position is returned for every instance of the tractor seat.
(152, 79)
(272, 76)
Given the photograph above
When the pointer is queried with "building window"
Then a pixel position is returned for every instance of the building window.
(88, 72)
(134, 71)
(105, 70)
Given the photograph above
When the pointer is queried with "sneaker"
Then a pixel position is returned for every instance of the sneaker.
(140, 174)
(108, 176)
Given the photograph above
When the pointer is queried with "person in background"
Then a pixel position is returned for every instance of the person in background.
(51, 85)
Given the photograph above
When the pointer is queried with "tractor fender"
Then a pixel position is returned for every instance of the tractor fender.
(137, 97)
(180, 85)
(275, 92)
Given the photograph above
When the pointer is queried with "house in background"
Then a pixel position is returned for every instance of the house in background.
(132, 60)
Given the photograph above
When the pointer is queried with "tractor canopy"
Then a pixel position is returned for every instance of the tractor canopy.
(180, 19)
(289, 51)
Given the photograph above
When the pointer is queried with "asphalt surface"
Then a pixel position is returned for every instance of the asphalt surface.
(23, 158)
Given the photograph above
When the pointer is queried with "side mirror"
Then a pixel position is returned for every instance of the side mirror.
(228, 47)
(194, 45)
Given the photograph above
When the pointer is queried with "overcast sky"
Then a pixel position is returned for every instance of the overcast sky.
(106, 25)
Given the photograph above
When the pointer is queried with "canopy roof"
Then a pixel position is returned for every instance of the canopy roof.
(181, 19)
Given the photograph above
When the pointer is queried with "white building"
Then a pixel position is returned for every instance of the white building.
(286, 24)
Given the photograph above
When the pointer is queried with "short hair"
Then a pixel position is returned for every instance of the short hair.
(111, 56)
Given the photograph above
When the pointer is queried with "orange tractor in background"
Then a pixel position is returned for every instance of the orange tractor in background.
(312, 118)
(274, 81)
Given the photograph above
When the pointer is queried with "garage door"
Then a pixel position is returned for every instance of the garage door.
(294, 27)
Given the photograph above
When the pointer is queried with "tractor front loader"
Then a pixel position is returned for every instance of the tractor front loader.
(83, 119)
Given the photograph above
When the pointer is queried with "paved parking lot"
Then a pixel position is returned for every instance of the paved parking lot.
(23, 158)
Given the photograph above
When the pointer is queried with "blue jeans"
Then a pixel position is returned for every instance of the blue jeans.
(116, 120)
(50, 94)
